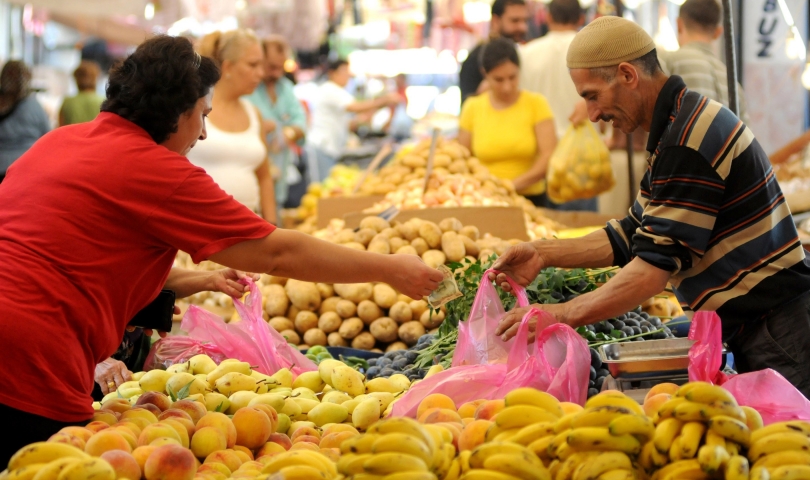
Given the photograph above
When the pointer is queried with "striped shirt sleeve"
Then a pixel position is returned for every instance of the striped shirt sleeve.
(685, 197)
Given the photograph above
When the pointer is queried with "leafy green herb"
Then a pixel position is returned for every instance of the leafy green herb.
(183, 393)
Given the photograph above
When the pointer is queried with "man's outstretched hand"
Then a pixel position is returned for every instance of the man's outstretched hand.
(520, 262)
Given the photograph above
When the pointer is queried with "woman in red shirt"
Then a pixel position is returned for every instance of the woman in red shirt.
(93, 216)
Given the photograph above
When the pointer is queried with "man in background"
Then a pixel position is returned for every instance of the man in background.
(544, 71)
(699, 26)
(336, 112)
(543, 68)
(276, 101)
(509, 19)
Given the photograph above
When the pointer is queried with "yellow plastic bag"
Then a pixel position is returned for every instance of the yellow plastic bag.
(580, 166)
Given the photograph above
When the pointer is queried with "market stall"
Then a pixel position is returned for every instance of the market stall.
(303, 380)
(211, 411)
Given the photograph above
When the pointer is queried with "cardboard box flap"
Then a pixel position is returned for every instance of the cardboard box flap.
(337, 207)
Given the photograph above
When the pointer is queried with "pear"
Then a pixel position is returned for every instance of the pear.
(304, 392)
(216, 402)
(274, 400)
(204, 379)
(326, 367)
(351, 404)
(283, 391)
(306, 404)
(154, 381)
(179, 368)
(240, 399)
(233, 382)
(284, 423)
(324, 413)
(197, 397)
(385, 398)
(381, 384)
(128, 392)
(283, 377)
(266, 379)
(296, 425)
(310, 380)
(366, 413)
(179, 381)
(400, 381)
(109, 396)
(202, 364)
(290, 408)
(349, 380)
(335, 396)
(129, 384)
(228, 367)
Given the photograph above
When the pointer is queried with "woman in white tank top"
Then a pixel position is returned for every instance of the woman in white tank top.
(234, 152)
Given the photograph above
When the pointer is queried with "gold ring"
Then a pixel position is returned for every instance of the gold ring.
(111, 385)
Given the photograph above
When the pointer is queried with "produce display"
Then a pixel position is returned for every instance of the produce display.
(457, 180)
(793, 177)
(362, 316)
(199, 420)
(552, 285)
(339, 183)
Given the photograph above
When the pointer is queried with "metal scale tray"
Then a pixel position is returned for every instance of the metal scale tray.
(653, 358)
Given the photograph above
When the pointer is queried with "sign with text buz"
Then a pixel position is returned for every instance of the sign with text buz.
(772, 86)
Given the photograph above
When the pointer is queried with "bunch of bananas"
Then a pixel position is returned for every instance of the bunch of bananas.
(524, 407)
(301, 465)
(400, 448)
(57, 460)
(502, 461)
(600, 442)
(780, 451)
(701, 433)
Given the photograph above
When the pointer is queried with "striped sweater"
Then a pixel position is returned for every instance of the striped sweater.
(709, 210)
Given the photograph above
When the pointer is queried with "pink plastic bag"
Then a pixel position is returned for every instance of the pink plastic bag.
(251, 340)
(477, 343)
(558, 363)
(767, 391)
(178, 349)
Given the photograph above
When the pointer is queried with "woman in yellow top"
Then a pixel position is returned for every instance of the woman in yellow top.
(510, 130)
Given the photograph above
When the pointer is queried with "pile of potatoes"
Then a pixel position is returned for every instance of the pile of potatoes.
(365, 316)
(457, 180)
(437, 244)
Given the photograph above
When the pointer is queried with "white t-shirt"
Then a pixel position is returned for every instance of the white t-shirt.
(329, 130)
(543, 70)
(231, 158)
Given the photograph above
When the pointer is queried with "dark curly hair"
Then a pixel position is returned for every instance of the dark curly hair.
(497, 52)
(161, 80)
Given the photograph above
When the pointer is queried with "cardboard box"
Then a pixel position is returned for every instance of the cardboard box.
(578, 219)
(503, 222)
(337, 207)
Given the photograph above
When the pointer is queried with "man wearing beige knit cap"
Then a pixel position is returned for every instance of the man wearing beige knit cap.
(709, 218)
